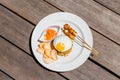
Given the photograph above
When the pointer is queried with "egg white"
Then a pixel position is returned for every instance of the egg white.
(63, 39)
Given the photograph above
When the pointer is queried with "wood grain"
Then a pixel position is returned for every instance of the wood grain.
(17, 24)
(102, 20)
(21, 66)
(14, 61)
(106, 57)
(89, 71)
(111, 4)
(32, 10)
(98, 17)
(3, 76)
(13, 24)
(109, 53)
(9, 29)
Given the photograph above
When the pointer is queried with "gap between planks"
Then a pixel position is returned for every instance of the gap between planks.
(66, 9)
(18, 15)
(107, 7)
(58, 72)
(35, 24)
(89, 26)
(7, 75)
(100, 34)
(61, 11)
(16, 70)
(31, 56)
(28, 20)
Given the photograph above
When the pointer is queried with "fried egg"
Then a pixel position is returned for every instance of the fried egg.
(62, 43)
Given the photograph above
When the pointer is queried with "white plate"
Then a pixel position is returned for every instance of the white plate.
(78, 55)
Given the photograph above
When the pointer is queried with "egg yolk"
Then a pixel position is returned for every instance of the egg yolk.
(60, 46)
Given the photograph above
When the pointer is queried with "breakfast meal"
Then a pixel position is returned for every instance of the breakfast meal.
(52, 45)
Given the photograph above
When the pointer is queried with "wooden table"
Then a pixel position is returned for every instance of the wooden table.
(19, 17)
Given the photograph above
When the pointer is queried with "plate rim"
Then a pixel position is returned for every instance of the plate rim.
(84, 49)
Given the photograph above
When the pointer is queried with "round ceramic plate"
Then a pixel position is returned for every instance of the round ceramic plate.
(78, 55)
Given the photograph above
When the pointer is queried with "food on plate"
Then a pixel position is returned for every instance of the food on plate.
(40, 50)
(47, 46)
(47, 60)
(62, 43)
(65, 53)
(54, 45)
(68, 31)
(49, 54)
(49, 34)
(53, 54)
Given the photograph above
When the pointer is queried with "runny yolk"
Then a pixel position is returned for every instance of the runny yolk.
(60, 46)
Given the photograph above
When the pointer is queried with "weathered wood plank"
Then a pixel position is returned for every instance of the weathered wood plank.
(21, 66)
(14, 61)
(109, 53)
(4, 76)
(111, 4)
(15, 23)
(100, 41)
(32, 10)
(89, 71)
(101, 19)
(98, 17)
(10, 31)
